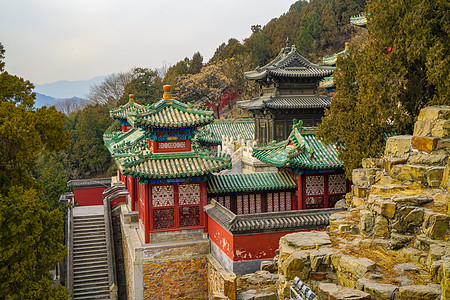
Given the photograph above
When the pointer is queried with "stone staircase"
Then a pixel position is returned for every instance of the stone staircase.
(90, 262)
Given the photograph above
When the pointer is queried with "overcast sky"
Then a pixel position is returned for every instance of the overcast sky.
(50, 40)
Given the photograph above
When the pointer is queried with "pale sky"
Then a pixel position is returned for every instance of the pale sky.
(51, 40)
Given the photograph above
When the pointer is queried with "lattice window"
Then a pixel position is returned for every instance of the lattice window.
(162, 195)
(227, 202)
(245, 208)
(337, 184)
(163, 218)
(332, 199)
(189, 216)
(239, 204)
(288, 201)
(258, 203)
(275, 202)
(282, 201)
(314, 202)
(315, 185)
(189, 194)
(270, 202)
(252, 203)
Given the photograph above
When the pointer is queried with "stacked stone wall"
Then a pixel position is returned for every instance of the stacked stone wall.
(393, 241)
(176, 279)
(221, 284)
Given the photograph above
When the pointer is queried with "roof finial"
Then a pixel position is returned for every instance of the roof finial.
(288, 44)
(167, 92)
(130, 98)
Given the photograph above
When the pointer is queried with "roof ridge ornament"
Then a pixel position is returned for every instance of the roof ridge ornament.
(167, 92)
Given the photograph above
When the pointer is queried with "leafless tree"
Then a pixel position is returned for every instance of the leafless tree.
(110, 90)
(68, 106)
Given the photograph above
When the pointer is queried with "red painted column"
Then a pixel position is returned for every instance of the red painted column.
(203, 202)
(132, 191)
(146, 213)
(150, 207)
(325, 196)
(176, 207)
(300, 200)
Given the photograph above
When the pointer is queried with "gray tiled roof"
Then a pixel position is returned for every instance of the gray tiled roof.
(299, 102)
(94, 182)
(275, 221)
(289, 63)
(291, 102)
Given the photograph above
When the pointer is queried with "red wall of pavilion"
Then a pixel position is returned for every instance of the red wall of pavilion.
(89, 196)
(222, 238)
(245, 247)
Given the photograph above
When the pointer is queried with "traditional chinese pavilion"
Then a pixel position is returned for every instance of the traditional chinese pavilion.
(183, 224)
(359, 20)
(288, 90)
(164, 172)
(319, 173)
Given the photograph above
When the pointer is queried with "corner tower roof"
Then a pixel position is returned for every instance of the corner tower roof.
(289, 63)
(170, 113)
(122, 112)
(301, 151)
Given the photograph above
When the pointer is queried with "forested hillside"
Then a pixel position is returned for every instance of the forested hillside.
(318, 28)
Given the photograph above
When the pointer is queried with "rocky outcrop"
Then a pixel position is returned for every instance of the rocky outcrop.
(393, 241)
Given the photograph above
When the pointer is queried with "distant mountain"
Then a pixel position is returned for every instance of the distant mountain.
(64, 89)
(44, 100)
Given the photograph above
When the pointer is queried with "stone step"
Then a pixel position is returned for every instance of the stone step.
(90, 284)
(93, 227)
(92, 274)
(92, 220)
(88, 233)
(93, 292)
(82, 239)
(90, 262)
(89, 217)
(93, 248)
(85, 248)
(90, 244)
(90, 253)
(91, 278)
(89, 258)
(88, 297)
(90, 270)
(94, 265)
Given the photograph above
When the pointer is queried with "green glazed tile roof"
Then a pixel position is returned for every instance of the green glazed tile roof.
(172, 165)
(170, 113)
(327, 82)
(359, 20)
(220, 184)
(289, 63)
(123, 111)
(331, 60)
(124, 142)
(301, 151)
(212, 133)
